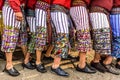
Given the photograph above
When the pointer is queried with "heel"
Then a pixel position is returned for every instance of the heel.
(12, 71)
(28, 66)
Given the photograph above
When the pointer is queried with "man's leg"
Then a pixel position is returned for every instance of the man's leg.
(80, 17)
(31, 45)
(60, 50)
(114, 21)
(102, 41)
(41, 36)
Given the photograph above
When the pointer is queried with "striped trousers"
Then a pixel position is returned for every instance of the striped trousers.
(60, 24)
(32, 26)
(80, 17)
(115, 25)
(11, 30)
(41, 29)
(101, 32)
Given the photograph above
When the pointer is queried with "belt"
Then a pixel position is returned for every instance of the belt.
(78, 3)
(98, 9)
(42, 5)
(30, 12)
(59, 8)
(115, 10)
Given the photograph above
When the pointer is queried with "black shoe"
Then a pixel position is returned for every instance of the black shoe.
(92, 68)
(41, 68)
(60, 72)
(118, 59)
(70, 57)
(28, 66)
(86, 69)
(32, 61)
(99, 67)
(12, 72)
(117, 66)
(48, 58)
(111, 69)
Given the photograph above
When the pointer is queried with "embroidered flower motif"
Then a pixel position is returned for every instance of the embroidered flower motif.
(102, 41)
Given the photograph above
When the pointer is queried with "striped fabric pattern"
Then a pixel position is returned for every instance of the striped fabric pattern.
(11, 30)
(60, 21)
(32, 23)
(41, 18)
(101, 33)
(99, 20)
(41, 29)
(115, 24)
(80, 16)
(9, 17)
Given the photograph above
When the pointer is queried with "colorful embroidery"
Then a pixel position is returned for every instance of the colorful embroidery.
(72, 37)
(23, 38)
(116, 47)
(102, 41)
(9, 39)
(41, 36)
(115, 25)
(42, 5)
(31, 44)
(61, 45)
(83, 40)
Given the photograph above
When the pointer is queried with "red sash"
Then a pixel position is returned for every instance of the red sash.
(1, 4)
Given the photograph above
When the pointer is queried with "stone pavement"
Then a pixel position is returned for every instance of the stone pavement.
(34, 75)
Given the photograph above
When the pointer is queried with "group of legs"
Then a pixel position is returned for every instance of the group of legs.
(101, 35)
(38, 29)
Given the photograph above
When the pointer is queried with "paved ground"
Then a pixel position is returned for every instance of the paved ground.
(34, 75)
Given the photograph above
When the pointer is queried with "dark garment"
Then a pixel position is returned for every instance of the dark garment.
(1, 4)
(116, 3)
(107, 4)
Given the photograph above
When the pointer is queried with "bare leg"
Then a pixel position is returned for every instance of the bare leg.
(9, 63)
(97, 58)
(49, 50)
(56, 62)
(82, 60)
(38, 57)
(26, 55)
(108, 60)
(24, 49)
(27, 58)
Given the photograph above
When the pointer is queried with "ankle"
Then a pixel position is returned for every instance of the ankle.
(118, 63)
(38, 62)
(81, 66)
(9, 66)
(96, 61)
(26, 61)
(106, 63)
(55, 66)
